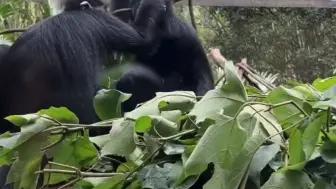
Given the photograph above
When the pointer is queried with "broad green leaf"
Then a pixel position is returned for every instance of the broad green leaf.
(152, 107)
(21, 120)
(101, 140)
(85, 152)
(135, 185)
(8, 140)
(260, 160)
(325, 104)
(182, 104)
(62, 153)
(143, 124)
(303, 141)
(95, 181)
(126, 167)
(312, 132)
(173, 149)
(229, 98)
(288, 180)
(115, 182)
(308, 92)
(328, 152)
(26, 164)
(288, 114)
(221, 144)
(321, 184)
(153, 176)
(296, 152)
(107, 103)
(267, 125)
(22, 173)
(324, 84)
(231, 178)
(156, 126)
(76, 151)
(121, 140)
(62, 115)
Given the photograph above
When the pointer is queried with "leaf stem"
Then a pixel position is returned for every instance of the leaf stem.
(177, 135)
(83, 174)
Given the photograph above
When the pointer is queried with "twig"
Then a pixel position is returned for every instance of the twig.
(250, 73)
(268, 121)
(293, 103)
(191, 12)
(70, 183)
(325, 134)
(177, 135)
(328, 119)
(83, 174)
(64, 166)
(146, 160)
(13, 30)
(53, 144)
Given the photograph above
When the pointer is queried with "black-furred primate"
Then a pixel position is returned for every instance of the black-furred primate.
(179, 62)
(3, 50)
(57, 62)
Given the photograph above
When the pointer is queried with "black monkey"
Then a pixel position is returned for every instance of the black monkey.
(57, 62)
(59, 6)
(179, 62)
(3, 50)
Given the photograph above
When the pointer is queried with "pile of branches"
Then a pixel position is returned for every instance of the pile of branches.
(235, 136)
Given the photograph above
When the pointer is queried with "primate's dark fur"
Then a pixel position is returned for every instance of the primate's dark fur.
(57, 62)
(3, 50)
(179, 62)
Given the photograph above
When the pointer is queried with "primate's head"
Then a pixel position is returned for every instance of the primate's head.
(58, 6)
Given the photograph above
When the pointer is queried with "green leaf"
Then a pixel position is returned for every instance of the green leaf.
(26, 164)
(288, 180)
(173, 149)
(260, 160)
(153, 176)
(229, 98)
(78, 152)
(303, 141)
(324, 84)
(152, 107)
(232, 177)
(296, 152)
(116, 182)
(101, 140)
(156, 126)
(62, 115)
(321, 185)
(328, 152)
(21, 120)
(308, 92)
(211, 147)
(182, 104)
(288, 114)
(8, 140)
(121, 140)
(22, 172)
(107, 103)
(143, 124)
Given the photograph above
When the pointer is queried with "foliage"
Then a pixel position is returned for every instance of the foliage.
(283, 139)
(21, 14)
(297, 43)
